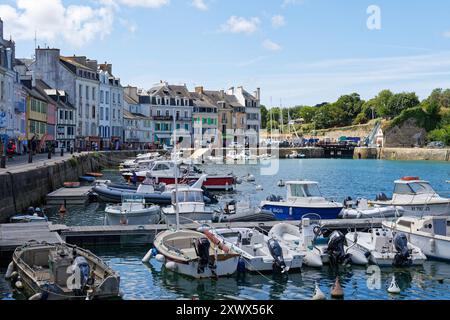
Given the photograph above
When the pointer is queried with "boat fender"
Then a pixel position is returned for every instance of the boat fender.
(172, 266)
(318, 294)
(37, 296)
(241, 265)
(9, 271)
(336, 290)
(259, 188)
(19, 285)
(393, 287)
(160, 258)
(14, 276)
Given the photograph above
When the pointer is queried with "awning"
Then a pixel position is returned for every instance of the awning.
(198, 153)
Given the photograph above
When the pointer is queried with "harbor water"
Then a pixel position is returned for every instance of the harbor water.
(337, 179)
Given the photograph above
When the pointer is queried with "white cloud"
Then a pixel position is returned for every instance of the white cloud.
(129, 25)
(278, 21)
(447, 34)
(241, 25)
(271, 46)
(199, 4)
(145, 3)
(291, 2)
(52, 21)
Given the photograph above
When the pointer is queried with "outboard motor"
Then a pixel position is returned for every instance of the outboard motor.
(348, 203)
(381, 197)
(336, 249)
(82, 265)
(277, 253)
(202, 248)
(401, 245)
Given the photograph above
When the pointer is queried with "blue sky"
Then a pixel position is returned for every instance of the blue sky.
(297, 51)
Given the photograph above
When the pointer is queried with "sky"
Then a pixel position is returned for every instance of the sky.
(299, 52)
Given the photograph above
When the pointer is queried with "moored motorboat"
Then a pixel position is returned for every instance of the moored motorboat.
(63, 272)
(431, 234)
(384, 247)
(132, 211)
(303, 197)
(361, 209)
(416, 197)
(260, 252)
(32, 215)
(192, 254)
(242, 212)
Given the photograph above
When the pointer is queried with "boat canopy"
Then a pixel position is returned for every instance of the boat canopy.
(303, 189)
(413, 187)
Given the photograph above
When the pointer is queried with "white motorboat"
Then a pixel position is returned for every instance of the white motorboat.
(293, 155)
(416, 197)
(387, 248)
(141, 158)
(361, 209)
(303, 197)
(431, 234)
(132, 211)
(191, 206)
(192, 254)
(318, 251)
(260, 252)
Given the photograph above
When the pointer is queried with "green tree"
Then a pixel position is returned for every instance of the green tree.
(399, 102)
(351, 105)
(306, 113)
(381, 102)
(264, 116)
(329, 116)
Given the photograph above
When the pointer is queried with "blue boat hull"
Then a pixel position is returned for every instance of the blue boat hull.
(283, 213)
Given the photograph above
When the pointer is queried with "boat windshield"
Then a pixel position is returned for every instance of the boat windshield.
(189, 196)
(305, 190)
(414, 188)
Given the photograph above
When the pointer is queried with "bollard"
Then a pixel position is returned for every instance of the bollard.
(30, 157)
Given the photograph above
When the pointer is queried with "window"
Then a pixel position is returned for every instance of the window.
(93, 94)
(102, 96)
(87, 92)
(114, 97)
(118, 114)
(107, 97)
(101, 112)
(71, 115)
(61, 115)
(80, 91)
(114, 113)
(167, 113)
(186, 127)
(118, 99)
(93, 112)
(158, 113)
(66, 115)
(186, 114)
(107, 114)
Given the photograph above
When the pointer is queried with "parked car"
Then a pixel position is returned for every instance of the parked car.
(436, 145)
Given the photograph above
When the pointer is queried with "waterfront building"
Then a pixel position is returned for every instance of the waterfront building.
(138, 125)
(77, 76)
(112, 94)
(205, 120)
(8, 79)
(167, 101)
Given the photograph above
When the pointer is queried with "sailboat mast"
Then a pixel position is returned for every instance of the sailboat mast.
(270, 116)
(177, 208)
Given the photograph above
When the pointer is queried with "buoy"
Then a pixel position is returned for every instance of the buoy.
(9, 271)
(19, 285)
(62, 209)
(259, 187)
(336, 290)
(160, 258)
(14, 276)
(250, 178)
(393, 287)
(171, 266)
(37, 296)
(318, 294)
(281, 183)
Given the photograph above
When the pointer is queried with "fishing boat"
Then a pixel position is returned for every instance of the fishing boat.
(191, 207)
(260, 252)
(384, 247)
(416, 197)
(361, 209)
(242, 212)
(62, 272)
(164, 172)
(431, 234)
(303, 197)
(132, 211)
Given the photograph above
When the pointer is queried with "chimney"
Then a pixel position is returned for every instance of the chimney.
(199, 90)
(92, 64)
(222, 94)
(33, 80)
(1, 29)
(258, 94)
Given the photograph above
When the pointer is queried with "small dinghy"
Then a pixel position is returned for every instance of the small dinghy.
(386, 248)
(86, 179)
(132, 211)
(94, 174)
(260, 252)
(192, 254)
(71, 184)
(361, 210)
(242, 212)
(32, 215)
(63, 272)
